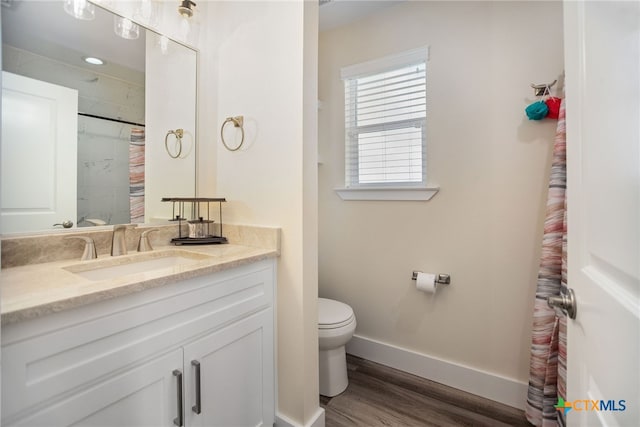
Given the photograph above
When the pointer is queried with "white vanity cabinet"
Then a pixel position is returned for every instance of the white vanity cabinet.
(194, 353)
(231, 367)
(141, 396)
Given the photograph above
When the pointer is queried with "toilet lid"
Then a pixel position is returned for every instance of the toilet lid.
(333, 314)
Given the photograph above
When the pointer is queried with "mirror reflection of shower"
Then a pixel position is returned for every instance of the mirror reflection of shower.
(107, 156)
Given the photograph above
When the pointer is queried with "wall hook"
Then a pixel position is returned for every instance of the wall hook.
(543, 89)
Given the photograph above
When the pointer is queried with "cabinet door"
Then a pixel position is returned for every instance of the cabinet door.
(236, 375)
(146, 395)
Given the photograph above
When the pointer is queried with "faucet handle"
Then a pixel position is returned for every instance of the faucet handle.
(89, 247)
(144, 245)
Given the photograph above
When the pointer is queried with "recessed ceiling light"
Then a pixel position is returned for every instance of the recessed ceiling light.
(93, 60)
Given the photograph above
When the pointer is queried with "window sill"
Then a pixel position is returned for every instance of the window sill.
(387, 193)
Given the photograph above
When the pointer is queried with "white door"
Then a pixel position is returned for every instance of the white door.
(602, 60)
(39, 145)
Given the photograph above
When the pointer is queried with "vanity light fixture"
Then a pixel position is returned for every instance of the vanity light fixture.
(185, 8)
(80, 9)
(93, 60)
(125, 28)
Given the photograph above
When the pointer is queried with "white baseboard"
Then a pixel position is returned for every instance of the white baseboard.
(316, 421)
(481, 383)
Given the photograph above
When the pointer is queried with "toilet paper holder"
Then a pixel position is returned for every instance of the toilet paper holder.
(441, 279)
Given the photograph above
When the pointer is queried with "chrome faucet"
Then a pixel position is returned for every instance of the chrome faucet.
(89, 247)
(144, 245)
(119, 243)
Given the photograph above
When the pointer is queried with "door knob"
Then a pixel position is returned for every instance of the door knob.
(565, 302)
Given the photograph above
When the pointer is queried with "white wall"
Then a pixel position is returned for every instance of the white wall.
(484, 227)
(263, 53)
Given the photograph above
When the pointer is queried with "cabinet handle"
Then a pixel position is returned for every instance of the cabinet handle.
(197, 408)
(178, 420)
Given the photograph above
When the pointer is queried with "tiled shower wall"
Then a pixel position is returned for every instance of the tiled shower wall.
(103, 171)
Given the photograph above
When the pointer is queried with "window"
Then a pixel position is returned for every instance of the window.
(385, 124)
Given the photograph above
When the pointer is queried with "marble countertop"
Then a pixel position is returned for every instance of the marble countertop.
(35, 290)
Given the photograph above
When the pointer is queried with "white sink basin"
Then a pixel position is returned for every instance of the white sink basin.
(136, 263)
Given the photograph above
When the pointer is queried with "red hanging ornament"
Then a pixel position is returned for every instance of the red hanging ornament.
(553, 104)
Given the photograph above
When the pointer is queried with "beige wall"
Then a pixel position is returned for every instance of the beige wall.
(310, 211)
(484, 227)
(262, 52)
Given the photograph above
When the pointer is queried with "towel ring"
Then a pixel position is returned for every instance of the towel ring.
(178, 133)
(238, 122)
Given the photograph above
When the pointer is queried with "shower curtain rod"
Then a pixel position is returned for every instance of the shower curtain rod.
(110, 119)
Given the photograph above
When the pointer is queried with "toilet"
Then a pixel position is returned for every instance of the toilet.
(336, 325)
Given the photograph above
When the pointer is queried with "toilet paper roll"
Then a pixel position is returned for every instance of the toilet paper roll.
(426, 282)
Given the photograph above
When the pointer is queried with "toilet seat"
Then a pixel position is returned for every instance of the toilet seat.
(333, 314)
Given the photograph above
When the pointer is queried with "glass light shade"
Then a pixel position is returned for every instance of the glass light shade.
(147, 13)
(80, 9)
(185, 28)
(164, 44)
(125, 28)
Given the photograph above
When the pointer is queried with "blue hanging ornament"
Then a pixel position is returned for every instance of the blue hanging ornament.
(537, 111)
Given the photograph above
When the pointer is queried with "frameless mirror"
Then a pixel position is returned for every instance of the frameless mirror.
(87, 143)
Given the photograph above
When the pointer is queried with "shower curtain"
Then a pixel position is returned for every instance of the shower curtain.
(136, 176)
(547, 372)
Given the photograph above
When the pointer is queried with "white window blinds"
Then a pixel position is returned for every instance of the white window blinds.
(385, 119)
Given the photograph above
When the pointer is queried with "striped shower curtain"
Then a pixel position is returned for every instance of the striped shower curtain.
(136, 176)
(547, 372)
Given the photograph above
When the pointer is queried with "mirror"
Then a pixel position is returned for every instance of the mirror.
(110, 129)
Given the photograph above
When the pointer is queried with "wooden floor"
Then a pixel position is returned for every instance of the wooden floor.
(382, 396)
